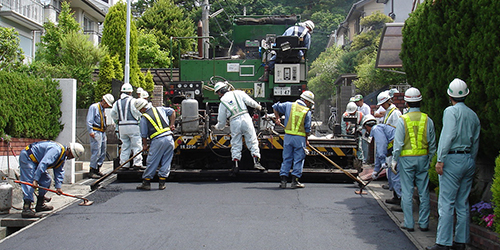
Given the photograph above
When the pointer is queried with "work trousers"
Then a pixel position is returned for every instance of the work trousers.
(130, 136)
(454, 188)
(97, 149)
(161, 151)
(414, 169)
(294, 154)
(27, 171)
(242, 126)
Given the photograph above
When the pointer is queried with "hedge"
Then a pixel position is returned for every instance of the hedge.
(29, 106)
(445, 39)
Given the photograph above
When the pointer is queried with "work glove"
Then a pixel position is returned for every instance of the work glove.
(394, 167)
(374, 175)
(384, 165)
(259, 108)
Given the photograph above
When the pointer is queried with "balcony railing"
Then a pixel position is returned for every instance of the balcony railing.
(29, 9)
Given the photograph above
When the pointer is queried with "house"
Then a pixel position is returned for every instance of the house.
(27, 18)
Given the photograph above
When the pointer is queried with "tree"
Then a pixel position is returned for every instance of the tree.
(150, 54)
(106, 75)
(114, 37)
(165, 20)
(11, 57)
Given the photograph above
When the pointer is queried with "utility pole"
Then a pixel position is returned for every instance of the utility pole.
(205, 28)
(127, 46)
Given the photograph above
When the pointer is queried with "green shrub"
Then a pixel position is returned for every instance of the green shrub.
(495, 190)
(29, 106)
(433, 176)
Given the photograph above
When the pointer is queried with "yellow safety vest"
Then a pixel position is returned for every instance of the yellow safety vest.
(102, 126)
(295, 124)
(389, 115)
(157, 123)
(415, 142)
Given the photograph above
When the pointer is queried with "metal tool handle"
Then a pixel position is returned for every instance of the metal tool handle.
(94, 185)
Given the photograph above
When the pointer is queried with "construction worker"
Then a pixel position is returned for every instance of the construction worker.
(141, 93)
(297, 129)
(126, 118)
(303, 31)
(34, 162)
(352, 128)
(456, 154)
(380, 112)
(390, 117)
(383, 135)
(365, 109)
(156, 125)
(414, 146)
(96, 126)
(233, 106)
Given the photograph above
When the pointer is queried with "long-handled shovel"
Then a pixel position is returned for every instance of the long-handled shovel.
(362, 184)
(95, 185)
(85, 202)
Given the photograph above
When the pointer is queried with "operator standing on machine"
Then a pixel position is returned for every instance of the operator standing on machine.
(126, 117)
(233, 106)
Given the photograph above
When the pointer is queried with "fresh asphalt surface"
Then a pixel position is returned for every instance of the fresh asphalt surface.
(218, 215)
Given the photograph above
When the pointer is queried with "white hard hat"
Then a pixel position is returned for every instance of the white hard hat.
(308, 96)
(309, 24)
(458, 88)
(109, 99)
(351, 107)
(76, 149)
(144, 94)
(369, 120)
(219, 85)
(140, 103)
(139, 90)
(413, 95)
(383, 97)
(392, 92)
(126, 87)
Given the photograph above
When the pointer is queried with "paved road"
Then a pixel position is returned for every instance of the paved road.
(218, 215)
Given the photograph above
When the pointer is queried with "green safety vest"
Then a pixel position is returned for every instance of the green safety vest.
(295, 124)
(415, 142)
(160, 126)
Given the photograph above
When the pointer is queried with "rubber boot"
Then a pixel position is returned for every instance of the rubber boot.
(145, 185)
(283, 181)
(235, 168)
(265, 76)
(93, 173)
(98, 172)
(257, 165)
(27, 212)
(296, 183)
(394, 200)
(162, 183)
(41, 206)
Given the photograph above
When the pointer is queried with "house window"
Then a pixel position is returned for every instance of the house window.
(88, 25)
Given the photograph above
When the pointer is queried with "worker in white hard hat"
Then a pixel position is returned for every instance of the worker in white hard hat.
(303, 31)
(353, 128)
(456, 155)
(297, 131)
(34, 162)
(233, 106)
(413, 149)
(126, 118)
(156, 125)
(142, 93)
(392, 113)
(96, 127)
(366, 110)
(383, 135)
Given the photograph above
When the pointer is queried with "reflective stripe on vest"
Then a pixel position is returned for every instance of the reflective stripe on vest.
(102, 126)
(55, 164)
(236, 110)
(295, 124)
(415, 142)
(157, 123)
(389, 115)
(125, 116)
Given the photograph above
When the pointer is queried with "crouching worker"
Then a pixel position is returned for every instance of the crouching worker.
(34, 162)
(156, 124)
